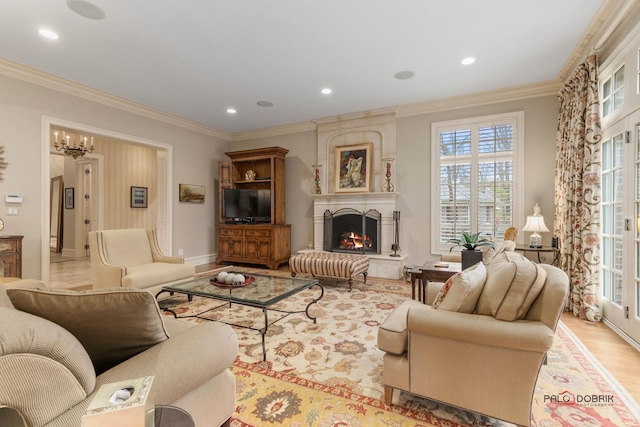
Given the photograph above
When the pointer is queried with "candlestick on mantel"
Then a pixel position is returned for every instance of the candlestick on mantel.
(317, 189)
(388, 187)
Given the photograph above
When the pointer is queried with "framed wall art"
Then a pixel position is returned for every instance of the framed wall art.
(139, 197)
(191, 193)
(69, 198)
(353, 168)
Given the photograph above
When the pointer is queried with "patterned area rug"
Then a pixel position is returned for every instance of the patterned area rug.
(330, 373)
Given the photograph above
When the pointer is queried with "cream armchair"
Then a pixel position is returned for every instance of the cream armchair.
(131, 258)
(473, 361)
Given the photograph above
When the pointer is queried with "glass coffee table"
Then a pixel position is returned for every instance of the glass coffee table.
(262, 293)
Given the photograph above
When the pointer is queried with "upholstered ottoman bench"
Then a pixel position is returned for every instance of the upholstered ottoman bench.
(330, 264)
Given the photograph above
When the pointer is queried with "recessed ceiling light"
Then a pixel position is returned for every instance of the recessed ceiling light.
(468, 61)
(86, 9)
(47, 34)
(231, 110)
(404, 75)
(326, 91)
(265, 103)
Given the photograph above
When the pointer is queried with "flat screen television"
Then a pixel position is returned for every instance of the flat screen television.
(247, 205)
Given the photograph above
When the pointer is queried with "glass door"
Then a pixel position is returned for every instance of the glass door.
(620, 226)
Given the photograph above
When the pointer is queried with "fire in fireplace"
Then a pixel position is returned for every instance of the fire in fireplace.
(352, 240)
(351, 231)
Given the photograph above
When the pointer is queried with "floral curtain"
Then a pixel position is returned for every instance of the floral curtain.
(577, 189)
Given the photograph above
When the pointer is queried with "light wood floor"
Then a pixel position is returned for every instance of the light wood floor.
(615, 354)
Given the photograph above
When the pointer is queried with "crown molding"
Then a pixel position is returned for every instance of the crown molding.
(31, 75)
(273, 131)
(356, 116)
(515, 93)
(603, 24)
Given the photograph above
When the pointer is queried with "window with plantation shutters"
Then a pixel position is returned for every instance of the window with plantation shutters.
(475, 167)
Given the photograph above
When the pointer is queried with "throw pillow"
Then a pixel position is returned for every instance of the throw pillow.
(513, 283)
(112, 325)
(461, 292)
(498, 247)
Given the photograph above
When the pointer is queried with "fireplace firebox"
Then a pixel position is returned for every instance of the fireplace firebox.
(350, 231)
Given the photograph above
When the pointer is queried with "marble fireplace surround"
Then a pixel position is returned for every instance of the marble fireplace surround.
(379, 128)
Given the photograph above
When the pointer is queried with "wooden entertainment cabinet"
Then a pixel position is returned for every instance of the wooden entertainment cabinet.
(255, 243)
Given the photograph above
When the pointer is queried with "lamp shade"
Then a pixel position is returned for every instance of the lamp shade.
(536, 224)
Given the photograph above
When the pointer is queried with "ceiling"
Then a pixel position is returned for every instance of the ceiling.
(196, 58)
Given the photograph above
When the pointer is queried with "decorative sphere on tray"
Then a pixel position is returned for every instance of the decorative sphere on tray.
(238, 279)
(229, 278)
(220, 277)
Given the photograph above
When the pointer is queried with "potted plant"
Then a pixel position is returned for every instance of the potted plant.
(470, 242)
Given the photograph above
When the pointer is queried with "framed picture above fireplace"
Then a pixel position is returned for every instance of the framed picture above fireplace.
(353, 168)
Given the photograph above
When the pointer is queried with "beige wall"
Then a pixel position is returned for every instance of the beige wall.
(127, 165)
(414, 171)
(22, 108)
(196, 157)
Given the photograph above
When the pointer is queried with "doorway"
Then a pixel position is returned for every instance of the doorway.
(92, 183)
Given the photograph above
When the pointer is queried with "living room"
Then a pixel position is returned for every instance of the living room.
(34, 104)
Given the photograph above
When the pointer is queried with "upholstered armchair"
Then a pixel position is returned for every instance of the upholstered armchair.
(483, 344)
(131, 258)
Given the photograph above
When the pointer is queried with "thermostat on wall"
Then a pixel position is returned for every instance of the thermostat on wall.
(13, 198)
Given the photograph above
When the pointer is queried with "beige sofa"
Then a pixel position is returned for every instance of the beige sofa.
(51, 369)
(131, 258)
(481, 349)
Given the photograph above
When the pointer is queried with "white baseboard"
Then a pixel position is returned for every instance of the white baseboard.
(633, 343)
(202, 259)
(71, 253)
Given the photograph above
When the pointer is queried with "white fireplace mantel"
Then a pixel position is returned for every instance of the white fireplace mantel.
(377, 127)
(380, 265)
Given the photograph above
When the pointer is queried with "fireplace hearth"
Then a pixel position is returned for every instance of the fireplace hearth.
(348, 230)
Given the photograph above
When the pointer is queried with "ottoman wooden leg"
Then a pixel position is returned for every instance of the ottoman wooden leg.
(350, 284)
(365, 277)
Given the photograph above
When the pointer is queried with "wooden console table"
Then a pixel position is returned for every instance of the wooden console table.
(11, 256)
(545, 249)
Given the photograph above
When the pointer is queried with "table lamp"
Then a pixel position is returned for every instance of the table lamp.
(535, 223)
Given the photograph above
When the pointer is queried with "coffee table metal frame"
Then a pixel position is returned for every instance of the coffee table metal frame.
(288, 286)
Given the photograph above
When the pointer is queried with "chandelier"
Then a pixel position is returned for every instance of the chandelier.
(74, 150)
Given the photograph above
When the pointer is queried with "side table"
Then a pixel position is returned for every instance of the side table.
(545, 249)
(416, 276)
(172, 416)
(431, 273)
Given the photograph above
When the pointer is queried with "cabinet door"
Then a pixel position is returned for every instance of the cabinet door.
(230, 246)
(264, 248)
(8, 264)
(258, 248)
(251, 247)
